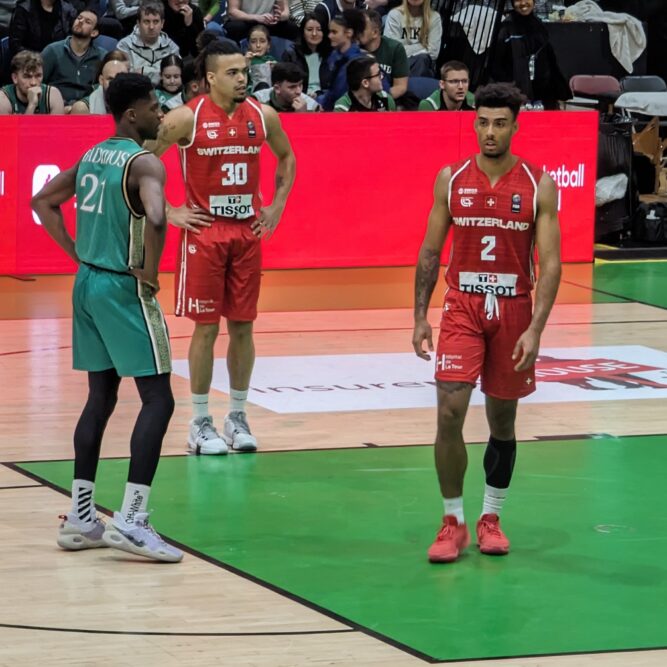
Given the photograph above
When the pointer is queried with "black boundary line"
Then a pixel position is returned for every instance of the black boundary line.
(21, 486)
(150, 633)
(362, 446)
(352, 625)
(256, 580)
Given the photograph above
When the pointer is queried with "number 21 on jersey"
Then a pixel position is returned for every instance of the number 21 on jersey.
(92, 202)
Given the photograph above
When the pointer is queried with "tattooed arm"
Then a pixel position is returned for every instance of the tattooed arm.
(428, 264)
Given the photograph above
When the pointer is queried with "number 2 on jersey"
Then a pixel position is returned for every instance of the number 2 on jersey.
(234, 173)
(88, 204)
(489, 244)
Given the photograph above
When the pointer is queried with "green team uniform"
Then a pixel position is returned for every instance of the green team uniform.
(117, 323)
(18, 107)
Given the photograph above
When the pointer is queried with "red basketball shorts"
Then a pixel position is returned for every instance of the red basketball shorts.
(471, 345)
(218, 273)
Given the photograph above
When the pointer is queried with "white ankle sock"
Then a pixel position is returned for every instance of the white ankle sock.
(237, 400)
(493, 499)
(454, 507)
(199, 405)
(83, 501)
(135, 500)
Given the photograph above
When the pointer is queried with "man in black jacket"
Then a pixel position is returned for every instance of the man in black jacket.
(183, 22)
(37, 23)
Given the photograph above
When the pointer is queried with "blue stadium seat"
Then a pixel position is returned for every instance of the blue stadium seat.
(105, 42)
(422, 86)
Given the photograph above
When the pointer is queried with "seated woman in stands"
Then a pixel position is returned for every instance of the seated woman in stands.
(523, 54)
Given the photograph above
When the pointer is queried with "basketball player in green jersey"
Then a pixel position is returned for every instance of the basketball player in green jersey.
(118, 327)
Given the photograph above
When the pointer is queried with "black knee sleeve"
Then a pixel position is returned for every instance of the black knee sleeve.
(102, 397)
(146, 441)
(499, 462)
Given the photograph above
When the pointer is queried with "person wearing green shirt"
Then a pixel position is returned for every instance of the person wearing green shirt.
(118, 327)
(27, 94)
(365, 93)
(452, 94)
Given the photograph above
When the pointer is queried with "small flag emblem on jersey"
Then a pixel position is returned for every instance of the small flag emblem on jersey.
(491, 202)
(516, 203)
(252, 132)
(232, 131)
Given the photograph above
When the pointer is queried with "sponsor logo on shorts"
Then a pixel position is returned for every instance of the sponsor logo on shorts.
(192, 248)
(516, 203)
(467, 202)
(468, 191)
(448, 362)
(500, 284)
(200, 306)
(231, 206)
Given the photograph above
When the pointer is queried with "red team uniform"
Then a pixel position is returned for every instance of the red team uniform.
(489, 278)
(218, 271)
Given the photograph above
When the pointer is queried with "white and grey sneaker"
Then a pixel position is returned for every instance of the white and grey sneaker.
(203, 437)
(139, 538)
(236, 432)
(74, 534)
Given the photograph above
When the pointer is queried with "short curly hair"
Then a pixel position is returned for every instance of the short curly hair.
(499, 96)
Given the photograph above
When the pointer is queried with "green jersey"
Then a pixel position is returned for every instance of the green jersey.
(19, 107)
(109, 233)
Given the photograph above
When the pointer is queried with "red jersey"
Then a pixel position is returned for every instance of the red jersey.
(493, 229)
(221, 163)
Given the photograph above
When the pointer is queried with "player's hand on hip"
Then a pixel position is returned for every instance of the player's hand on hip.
(267, 221)
(192, 219)
(149, 281)
(421, 333)
(526, 349)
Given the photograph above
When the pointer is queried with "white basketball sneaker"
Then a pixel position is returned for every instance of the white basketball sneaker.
(236, 432)
(74, 534)
(139, 538)
(203, 437)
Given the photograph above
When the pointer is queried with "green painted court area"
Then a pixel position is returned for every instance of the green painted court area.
(348, 531)
(635, 281)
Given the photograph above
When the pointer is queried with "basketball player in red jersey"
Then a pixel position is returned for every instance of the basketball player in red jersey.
(498, 206)
(220, 136)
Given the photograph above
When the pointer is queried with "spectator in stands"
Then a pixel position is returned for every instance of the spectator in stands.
(286, 92)
(6, 9)
(327, 9)
(260, 61)
(310, 53)
(211, 12)
(364, 88)
(112, 64)
(274, 14)
(419, 29)
(453, 93)
(37, 23)
(148, 45)
(27, 94)
(183, 21)
(525, 56)
(192, 85)
(388, 52)
(344, 32)
(170, 91)
(298, 9)
(71, 64)
(126, 12)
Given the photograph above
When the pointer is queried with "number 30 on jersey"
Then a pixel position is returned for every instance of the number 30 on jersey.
(234, 173)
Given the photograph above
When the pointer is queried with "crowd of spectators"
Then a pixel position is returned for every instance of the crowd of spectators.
(303, 55)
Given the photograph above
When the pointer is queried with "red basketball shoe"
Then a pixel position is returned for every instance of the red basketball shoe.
(490, 537)
(450, 541)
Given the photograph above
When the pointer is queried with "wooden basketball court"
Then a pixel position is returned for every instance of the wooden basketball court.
(224, 605)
